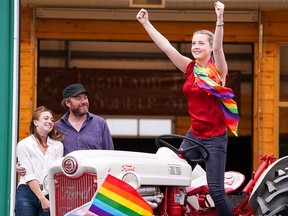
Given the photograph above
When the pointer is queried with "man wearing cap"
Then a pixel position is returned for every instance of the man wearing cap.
(82, 129)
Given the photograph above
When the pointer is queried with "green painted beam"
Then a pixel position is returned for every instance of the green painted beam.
(6, 95)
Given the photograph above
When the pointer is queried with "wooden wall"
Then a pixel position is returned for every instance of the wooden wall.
(266, 82)
(27, 72)
(274, 31)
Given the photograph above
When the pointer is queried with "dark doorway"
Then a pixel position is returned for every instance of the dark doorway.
(116, 74)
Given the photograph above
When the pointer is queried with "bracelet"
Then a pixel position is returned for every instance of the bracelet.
(219, 25)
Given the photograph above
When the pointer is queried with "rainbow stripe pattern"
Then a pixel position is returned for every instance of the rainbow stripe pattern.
(208, 79)
(117, 198)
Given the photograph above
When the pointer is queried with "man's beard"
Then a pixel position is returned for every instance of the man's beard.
(78, 112)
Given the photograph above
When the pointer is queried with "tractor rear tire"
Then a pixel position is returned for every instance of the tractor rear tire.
(274, 199)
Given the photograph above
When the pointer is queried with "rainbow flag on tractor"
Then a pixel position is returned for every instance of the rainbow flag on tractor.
(114, 198)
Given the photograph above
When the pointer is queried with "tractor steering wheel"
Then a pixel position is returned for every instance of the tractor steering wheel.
(160, 140)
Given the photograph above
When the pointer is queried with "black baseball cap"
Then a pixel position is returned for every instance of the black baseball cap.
(73, 90)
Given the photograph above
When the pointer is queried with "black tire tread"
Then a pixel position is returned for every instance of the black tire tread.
(273, 201)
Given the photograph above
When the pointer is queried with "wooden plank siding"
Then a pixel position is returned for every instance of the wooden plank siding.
(274, 31)
(27, 74)
(131, 30)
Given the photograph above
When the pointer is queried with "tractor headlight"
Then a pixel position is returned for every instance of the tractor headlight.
(132, 179)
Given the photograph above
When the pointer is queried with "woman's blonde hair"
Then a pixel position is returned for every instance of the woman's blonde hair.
(208, 33)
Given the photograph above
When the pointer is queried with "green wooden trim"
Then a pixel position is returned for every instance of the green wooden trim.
(6, 95)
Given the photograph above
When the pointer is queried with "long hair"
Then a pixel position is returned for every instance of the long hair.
(54, 134)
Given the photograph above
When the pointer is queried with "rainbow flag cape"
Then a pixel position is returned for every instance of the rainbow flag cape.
(117, 198)
(208, 79)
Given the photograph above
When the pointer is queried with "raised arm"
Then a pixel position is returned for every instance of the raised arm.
(218, 52)
(179, 60)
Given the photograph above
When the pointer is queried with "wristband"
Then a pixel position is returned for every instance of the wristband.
(219, 25)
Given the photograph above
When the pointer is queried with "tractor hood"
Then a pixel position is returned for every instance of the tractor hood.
(162, 168)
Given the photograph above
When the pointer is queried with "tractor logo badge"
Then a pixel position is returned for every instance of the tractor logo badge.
(128, 168)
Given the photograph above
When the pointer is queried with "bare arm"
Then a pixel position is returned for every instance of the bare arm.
(218, 52)
(180, 61)
(34, 186)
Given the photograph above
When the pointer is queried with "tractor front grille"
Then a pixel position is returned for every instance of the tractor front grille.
(71, 193)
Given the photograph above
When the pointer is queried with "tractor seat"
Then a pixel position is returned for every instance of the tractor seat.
(233, 180)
